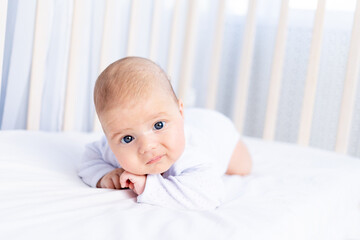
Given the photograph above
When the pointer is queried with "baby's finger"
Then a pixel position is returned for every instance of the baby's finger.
(124, 179)
(116, 181)
(109, 184)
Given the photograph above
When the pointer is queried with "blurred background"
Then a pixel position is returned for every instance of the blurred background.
(267, 64)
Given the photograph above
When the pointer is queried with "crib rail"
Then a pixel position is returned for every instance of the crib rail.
(245, 66)
(276, 73)
(185, 82)
(350, 86)
(312, 76)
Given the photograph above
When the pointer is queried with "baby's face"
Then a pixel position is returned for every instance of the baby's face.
(146, 137)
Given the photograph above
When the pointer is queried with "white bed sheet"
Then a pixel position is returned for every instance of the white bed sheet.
(293, 193)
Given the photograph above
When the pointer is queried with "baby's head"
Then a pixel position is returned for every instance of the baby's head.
(140, 115)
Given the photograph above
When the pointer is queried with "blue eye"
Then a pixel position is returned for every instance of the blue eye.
(159, 125)
(127, 139)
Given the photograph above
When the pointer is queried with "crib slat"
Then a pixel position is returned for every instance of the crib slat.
(276, 73)
(245, 67)
(3, 16)
(38, 63)
(189, 55)
(110, 6)
(216, 57)
(74, 59)
(350, 86)
(312, 76)
(174, 37)
(133, 24)
(155, 30)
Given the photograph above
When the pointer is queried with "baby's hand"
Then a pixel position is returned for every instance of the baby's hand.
(111, 179)
(134, 182)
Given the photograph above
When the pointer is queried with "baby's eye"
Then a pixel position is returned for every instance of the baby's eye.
(127, 139)
(159, 125)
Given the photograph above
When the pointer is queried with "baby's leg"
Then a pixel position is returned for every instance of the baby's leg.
(240, 163)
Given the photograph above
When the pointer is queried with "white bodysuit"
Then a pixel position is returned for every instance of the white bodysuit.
(194, 181)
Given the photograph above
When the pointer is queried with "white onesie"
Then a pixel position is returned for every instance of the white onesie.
(194, 181)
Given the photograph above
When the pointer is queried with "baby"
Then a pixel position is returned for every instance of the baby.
(167, 155)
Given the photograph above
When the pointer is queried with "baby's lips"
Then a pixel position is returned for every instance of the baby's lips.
(155, 159)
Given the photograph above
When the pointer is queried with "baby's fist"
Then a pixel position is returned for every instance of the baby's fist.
(133, 181)
(111, 179)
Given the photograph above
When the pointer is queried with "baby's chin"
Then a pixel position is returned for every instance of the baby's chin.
(156, 168)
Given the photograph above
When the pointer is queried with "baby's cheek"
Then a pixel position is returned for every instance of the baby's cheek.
(124, 157)
(122, 160)
(133, 165)
(122, 164)
(178, 144)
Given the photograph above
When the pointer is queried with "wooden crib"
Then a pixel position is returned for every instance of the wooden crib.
(167, 32)
(295, 85)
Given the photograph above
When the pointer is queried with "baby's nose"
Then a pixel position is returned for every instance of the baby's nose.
(147, 144)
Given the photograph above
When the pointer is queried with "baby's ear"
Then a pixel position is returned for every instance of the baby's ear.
(181, 107)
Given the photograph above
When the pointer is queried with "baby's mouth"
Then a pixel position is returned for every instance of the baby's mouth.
(155, 159)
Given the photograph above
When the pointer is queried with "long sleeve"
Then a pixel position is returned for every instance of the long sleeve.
(195, 189)
(96, 161)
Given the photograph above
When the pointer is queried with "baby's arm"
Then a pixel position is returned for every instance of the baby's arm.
(99, 168)
(97, 161)
(196, 189)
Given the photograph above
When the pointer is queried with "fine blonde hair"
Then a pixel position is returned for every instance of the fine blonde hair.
(128, 79)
